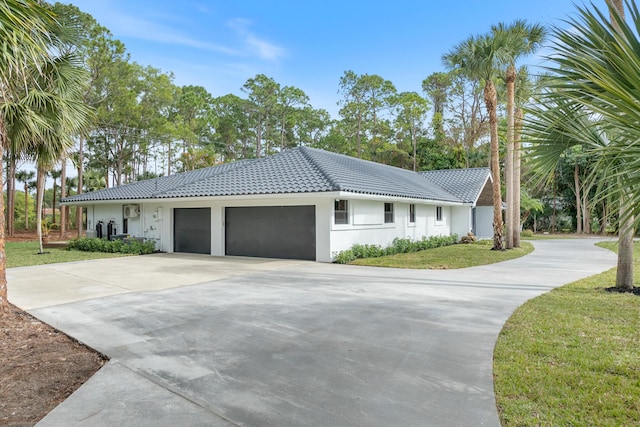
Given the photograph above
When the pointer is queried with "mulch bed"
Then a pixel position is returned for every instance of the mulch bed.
(39, 368)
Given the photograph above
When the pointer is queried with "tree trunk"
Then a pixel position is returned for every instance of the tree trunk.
(26, 206)
(490, 99)
(517, 172)
(624, 273)
(39, 205)
(11, 195)
(80, 185)
(509, 161)
(4, 302)
(576, 183)
(53, 202)
(586, 213)
(63, 194)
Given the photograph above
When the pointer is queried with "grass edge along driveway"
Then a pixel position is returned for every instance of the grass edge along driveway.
(448, 257)
(570, 357)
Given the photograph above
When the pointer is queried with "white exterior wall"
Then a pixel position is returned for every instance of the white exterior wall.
(156, 219)
(366, 220)
(366, 224)
(484, 222)
(461, 220)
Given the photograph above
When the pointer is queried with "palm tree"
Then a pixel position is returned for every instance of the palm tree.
(520, 39)
(480, 58)
(26, 177)
(598, 69)
(29, 29)
(27, 32)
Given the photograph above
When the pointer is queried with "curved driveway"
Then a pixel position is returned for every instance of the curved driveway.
(302, 344)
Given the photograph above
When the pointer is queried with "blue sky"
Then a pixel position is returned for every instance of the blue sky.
(306, 44)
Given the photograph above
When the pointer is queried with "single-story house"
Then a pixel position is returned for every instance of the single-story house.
(302, 203)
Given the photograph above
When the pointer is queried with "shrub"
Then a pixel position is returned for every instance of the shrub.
(398, 246)
(526, 233)
(126, 246)
(469, 238)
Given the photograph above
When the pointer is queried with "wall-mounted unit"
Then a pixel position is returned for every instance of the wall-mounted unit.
(131, 211)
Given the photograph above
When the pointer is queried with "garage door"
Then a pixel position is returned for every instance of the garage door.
(271, 232)
(192, 230)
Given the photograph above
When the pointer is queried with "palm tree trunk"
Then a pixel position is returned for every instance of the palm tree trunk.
(63, 194)
(11, 194)
(517, 172)
(53, 202)
(80, 184)
(4, 302)
(490, 99)
(39, 204)
(26, 205)
(624, 273)
(508, 162)
(576, 183)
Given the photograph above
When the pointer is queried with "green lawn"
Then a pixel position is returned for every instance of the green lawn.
(571, 357)
(22, 254)
(448, 257)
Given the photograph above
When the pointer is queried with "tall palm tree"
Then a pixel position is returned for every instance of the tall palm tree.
(26, 177)
(598, 69)
(520, 39)
(27, 32)
(480, 58)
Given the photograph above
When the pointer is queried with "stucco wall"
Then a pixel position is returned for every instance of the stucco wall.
(373, 230)
(484, 222)
(366, 221)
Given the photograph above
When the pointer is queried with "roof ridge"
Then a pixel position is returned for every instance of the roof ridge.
(306, 152)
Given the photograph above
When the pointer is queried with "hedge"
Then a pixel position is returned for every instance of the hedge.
(398, 246)
(125, 246)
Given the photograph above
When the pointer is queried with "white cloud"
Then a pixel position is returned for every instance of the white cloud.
(146, 30)
(255, 45)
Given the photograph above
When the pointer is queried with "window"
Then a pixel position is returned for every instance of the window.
(388, 213)
(341, 212)
(438, 213)
(412, 213)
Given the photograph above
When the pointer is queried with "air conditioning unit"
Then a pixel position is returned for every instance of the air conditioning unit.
(131, 211)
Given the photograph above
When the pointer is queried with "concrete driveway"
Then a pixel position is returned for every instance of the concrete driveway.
(297, 343)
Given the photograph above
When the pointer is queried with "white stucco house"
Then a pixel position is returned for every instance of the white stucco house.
(302, 203)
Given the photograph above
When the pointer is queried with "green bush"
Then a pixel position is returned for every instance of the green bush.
(125, 246)
(526, 233)
(398, 246)
(345, 257)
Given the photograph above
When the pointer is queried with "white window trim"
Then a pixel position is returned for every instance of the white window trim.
(415, 215)
(441, 220)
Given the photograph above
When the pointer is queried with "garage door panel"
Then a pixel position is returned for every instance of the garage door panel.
(192, 230)
(271, 232)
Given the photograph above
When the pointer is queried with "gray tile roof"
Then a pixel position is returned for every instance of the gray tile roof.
(297, 170)
(465, 184)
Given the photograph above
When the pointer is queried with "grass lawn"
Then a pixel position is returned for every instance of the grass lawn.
(448, 257)
(22, 254)
(571, 357)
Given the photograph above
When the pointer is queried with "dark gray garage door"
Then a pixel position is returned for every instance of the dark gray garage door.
(271, 232)
(192, 230)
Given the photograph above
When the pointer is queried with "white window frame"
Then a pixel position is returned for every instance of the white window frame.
(439, 214)
(412, 212)
(344, 211)
(390, 212)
